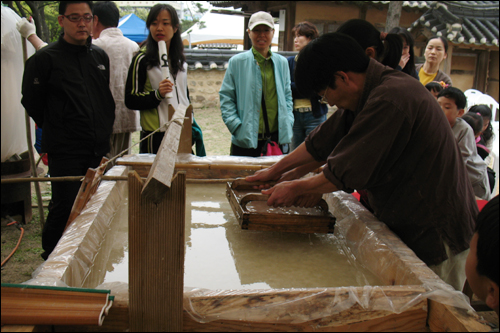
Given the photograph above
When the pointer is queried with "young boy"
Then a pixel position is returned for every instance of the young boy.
(482, 265)
(452, 101)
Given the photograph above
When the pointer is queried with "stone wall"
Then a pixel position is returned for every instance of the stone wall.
(204, 87)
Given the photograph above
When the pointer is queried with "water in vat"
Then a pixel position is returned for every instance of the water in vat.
(219, 255)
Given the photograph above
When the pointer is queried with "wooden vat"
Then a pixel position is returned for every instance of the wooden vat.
(413, 298)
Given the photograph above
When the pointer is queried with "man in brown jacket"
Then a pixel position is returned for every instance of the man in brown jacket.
(389, 139)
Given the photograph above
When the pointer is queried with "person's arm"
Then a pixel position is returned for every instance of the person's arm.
(228, 101)
(28, 31)
(34, 89)
(292, 193)
(288, 93)
(300, 157)
(136, 98)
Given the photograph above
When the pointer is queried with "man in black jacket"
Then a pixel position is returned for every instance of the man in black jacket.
(66, 91)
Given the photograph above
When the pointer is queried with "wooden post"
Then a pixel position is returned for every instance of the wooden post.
(156, 262)
(34, 173)
(186, 139)
(160, 176)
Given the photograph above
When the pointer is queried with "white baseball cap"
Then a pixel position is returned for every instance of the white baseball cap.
(260, 18)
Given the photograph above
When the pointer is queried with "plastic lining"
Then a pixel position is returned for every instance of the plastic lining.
(364, 239)
(71, 260)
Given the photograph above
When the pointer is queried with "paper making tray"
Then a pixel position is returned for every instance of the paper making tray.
(253, 213)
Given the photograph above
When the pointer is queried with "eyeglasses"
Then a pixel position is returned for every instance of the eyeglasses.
(323, 99)
(77, 18)
(263, 31)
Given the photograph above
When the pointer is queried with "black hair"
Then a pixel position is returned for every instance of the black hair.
(475, 121)
(485, 112)
(64, 4)
(388, 52)
(319, 60)
(176, 52)
(455, 94)
(487, 242)
(406, 35)
(107, 12)
(434, 86)
(445, 42)
(306, 29)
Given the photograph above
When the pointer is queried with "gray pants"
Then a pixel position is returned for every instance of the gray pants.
(118, 142)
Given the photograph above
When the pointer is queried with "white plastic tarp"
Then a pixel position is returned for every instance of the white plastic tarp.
(13, 120)
(220, 28)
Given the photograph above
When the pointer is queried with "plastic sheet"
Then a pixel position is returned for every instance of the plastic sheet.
(409, 283)
(364, 240)
(71, 260)
(13, 119)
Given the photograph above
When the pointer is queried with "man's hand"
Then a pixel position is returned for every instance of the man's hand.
(305, 192)
(264, 175)
(281, 195)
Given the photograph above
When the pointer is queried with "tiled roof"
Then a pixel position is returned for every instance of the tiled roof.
(467, 22)
(214, 58)
(406, 4)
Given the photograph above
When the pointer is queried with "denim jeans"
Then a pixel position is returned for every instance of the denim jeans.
(304, 123)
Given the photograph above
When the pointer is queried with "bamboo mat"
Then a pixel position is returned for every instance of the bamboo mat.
(41, 305)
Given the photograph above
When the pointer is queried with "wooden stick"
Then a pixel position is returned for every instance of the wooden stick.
(30, 150)
(58, 179)
(203, 165)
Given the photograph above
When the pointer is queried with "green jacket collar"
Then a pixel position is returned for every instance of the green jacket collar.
(259, 56)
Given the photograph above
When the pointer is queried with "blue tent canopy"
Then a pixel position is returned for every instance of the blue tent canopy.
(133, 27)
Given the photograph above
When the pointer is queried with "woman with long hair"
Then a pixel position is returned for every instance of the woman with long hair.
(407, 62)
(146, 85)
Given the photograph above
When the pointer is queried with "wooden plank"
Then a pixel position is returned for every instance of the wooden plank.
(274, 310)
(156, 257)
(160, 177)
(408, 321)
(43, 306)
(87, 189)
(186, 139)
(447, 318)
(117, 319)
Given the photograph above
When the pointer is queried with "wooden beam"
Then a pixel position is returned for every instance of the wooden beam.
(160, 176)
(447, 318)
(156, 257)
(482, 71)
(186, 139)
(447, 63)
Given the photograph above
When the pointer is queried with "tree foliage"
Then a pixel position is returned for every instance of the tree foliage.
(43, 12)
(193, 18)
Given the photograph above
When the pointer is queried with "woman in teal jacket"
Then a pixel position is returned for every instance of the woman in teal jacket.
(248, 75)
